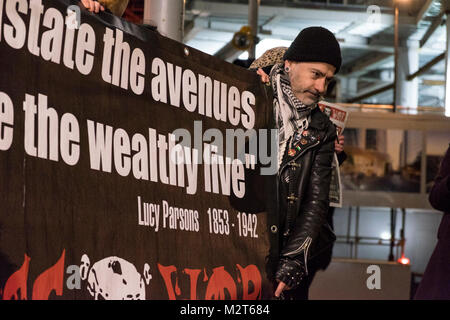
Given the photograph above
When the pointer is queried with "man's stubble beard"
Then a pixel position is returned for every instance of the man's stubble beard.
(313, 104)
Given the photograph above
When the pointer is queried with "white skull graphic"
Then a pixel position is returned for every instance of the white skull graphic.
(84, 267)
(114, 278)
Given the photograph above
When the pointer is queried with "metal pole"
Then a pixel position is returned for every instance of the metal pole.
(393, 227)
(395, 57)
(402, 233)
(356, 232)
(349, 224)
(426, 67)
(373, 92)
(253, 6)
(423, 164)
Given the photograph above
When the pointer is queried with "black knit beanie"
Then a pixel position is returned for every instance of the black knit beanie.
(315, 44)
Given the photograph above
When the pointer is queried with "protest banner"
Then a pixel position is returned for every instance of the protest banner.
(99, 197)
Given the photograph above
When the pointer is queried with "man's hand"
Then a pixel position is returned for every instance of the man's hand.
(339, 144)
(263, 75)
(93, 6)
(281, 286)
(290, 273)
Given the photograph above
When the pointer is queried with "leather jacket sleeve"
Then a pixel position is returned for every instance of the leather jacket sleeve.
(314, 206)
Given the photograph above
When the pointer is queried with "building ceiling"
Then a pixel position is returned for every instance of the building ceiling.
(367, 40)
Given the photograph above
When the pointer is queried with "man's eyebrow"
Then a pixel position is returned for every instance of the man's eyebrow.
(322, 74)
(318, 71)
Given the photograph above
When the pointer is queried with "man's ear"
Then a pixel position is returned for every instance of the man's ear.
(287, 66)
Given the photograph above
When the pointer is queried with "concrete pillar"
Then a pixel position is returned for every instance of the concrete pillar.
(362, 137)
(447, 64)
(407, 91)
(352, 87)
(408, 96)
(382, 141)
(339, 96)
(413, 145)
(168, 16)
(394, 142)
(347, 88)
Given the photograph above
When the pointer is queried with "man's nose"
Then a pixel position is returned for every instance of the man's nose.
(320, 85)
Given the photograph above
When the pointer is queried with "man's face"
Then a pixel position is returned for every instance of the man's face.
(309, 80)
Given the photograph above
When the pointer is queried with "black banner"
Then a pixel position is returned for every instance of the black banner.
(99, 200)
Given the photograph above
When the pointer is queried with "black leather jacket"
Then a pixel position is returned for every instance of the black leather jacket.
(299, 230)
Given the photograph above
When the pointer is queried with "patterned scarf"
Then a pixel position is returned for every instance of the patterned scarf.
(290, 113)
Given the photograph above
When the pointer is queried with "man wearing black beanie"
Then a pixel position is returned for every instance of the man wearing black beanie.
(297, 78)
(315, 44)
